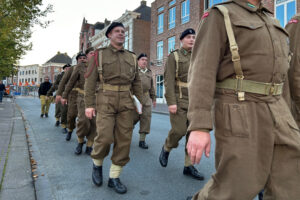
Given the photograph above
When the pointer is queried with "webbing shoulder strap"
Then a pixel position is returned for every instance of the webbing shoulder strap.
(232, 42)
(176, 60)
(135, 61)
(100, 65)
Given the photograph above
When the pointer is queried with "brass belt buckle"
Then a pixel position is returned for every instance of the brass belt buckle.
(241, 96)
(272, 89)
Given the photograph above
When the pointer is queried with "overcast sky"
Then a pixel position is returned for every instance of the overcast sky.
(63, 33)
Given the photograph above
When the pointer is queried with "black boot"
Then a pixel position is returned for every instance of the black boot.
(88, 150)
(163, 157)
(68, 136)
(57, 123)
(189, 198)
(46, 115)
(143, 145)
(116, 184)
(42, 115)
(193, 172)
(97, 175)
(64, 131)
(78, 149)
(261, 195)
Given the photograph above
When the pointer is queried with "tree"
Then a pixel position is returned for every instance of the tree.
(16, 20)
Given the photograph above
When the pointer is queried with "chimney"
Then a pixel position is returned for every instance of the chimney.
(106, 22)
(143, 3)
(58, 52)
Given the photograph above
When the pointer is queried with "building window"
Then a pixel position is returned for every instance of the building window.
(185, 11)
(159, 86)
(160, 9)
(210, 3)
(35, 79)
(160, 24)
(41, 80)
(28, 80)
(23, 72)
(126, 43)
(29, 72)
(171, 3)
(26, 72)
(285, 10)
(22, 80)
(171, 44)
(172, 17)
(160, 51)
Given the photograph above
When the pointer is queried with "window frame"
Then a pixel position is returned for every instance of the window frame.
(285, 5)
(186, 18)
(172, 24)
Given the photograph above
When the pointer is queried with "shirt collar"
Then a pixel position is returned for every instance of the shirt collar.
(184, 52)
(115, 49)
(143, 70)
(252, 8)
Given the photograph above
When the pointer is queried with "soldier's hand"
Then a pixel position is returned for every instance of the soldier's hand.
(64, 101)
(154, 104)
(198, 143)
(57, 99)
(173, 109)
(90, 113)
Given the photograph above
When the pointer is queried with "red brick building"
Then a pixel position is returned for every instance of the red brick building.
(170, 18)
(89, 30)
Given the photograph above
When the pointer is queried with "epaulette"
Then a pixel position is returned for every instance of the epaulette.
(130, 51)
(174, 50)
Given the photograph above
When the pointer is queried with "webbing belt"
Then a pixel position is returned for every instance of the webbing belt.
(239, 84)
(116, 88)
(81, 91)
(182, 84)
(251, 86)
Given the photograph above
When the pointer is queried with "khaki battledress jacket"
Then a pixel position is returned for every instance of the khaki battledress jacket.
(293, 27)
(176, 95)
(85, 127)
(148, 97)
(257, 140)
(72, 98)
(119, 79)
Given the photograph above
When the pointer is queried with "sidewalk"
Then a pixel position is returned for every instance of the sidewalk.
(161, 108)
(15, 172)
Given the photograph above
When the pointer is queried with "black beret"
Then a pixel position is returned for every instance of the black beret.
(80, 54)
(67, 65)
(142, 55)
(112, 26)
(187, 32)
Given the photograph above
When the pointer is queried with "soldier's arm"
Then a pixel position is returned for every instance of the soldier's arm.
(210, 46)
(50, 92)
(71, 83)
(54, 86)
(137, 86)
(152, 90)
(169, 80)
(63, 82)
(90, 85)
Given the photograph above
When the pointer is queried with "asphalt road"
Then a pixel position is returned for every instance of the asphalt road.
(64, 175)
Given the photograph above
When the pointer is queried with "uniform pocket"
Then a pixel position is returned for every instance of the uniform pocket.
(110, 66)
(130, 67)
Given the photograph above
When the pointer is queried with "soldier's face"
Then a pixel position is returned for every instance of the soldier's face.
(142, 62)
(82, 59)
(46, 79)
(90, 54)
(188, 41)
(66, 69)
(117, 36)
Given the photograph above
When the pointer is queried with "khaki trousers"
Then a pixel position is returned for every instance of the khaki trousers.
(114, 126)
(64, 114)
(144, 119)
(257, 146)
(45, 104)
(85, 127)
(72, 110)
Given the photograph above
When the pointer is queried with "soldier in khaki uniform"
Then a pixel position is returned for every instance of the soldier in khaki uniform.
(117, 71)
(293, 28)
(61, 118)
(85, 127)
(176, 71)
(241, 68)
(148, 98)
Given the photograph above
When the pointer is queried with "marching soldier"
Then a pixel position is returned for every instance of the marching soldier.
(85, 127)
(148, 99)
(239, 63)
(45, 102)
(60, 117)
(293, 28)
(72, 98)
(176, 71)
(116, 70)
